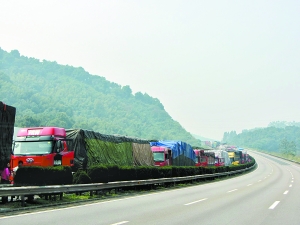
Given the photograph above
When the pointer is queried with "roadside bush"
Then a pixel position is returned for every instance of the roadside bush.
(98, 174)
(113, 173)
(165, 172)
(81, 177)
(40, 176)
(143, 172)
(127, 173)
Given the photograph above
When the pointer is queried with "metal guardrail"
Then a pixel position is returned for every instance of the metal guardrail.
(58, 189)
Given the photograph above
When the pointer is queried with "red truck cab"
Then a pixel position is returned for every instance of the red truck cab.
(162, 156)
(41, 146)
(201, 158)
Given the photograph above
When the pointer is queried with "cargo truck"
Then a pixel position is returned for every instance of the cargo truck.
(201, 158)
(162, 156)
(77, 148)
(175, 153)
(42, 146)
(7, 122)
(220, 157)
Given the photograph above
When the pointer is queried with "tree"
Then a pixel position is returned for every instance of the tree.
(287, 148)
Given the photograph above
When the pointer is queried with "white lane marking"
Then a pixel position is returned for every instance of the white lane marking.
(249, 185)
(274, 205)
(259, 181)
(196, 201)
(119, 223)
(290, 185)
(292, 181)
(232, 190)
(286, 192)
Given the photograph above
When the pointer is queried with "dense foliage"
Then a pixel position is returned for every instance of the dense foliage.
(48, 94)
(278, 137)
(37, 175)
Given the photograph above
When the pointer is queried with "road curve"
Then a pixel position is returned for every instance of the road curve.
(268, 195)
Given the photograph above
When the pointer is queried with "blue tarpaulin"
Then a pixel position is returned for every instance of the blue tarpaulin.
(178, 148)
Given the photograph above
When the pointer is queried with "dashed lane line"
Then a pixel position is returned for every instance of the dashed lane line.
(196, 201)
(274, 205)
(119, 223)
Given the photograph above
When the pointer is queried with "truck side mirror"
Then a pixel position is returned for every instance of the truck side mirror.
(58, 146)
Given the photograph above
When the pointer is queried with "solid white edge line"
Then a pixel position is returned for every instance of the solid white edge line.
(196, 201)
(274, 205)
(119, 223)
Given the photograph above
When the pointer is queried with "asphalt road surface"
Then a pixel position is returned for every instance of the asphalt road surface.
(268, 195)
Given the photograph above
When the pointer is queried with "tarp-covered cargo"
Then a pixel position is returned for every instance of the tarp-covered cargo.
(182, 153)
(93, 148)
(7, 122)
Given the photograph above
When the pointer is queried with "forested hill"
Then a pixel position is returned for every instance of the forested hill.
(48, 94)
(281, 137)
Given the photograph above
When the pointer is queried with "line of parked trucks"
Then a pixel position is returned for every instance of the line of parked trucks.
(80, 149)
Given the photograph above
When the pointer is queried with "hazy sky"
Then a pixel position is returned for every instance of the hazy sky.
(216, 66)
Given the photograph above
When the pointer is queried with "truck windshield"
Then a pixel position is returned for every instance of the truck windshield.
(158, 156)
(33, 148)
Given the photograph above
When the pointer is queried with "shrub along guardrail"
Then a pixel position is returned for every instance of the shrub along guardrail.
(182, 176)
(32, 176)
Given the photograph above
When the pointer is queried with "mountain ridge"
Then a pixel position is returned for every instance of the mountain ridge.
(48, 94)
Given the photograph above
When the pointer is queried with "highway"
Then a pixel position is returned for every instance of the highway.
(268, 195)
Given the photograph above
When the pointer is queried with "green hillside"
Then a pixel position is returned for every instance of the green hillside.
(279, 137)
(48, 94)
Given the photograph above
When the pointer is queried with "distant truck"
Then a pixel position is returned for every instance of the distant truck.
(7, 122)
(238, 155)
(231, 155)
(219, 157)
(77, 148)
(243, 155)
(175, 153)
(201, 158)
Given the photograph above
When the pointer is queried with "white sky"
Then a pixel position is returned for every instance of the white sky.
(216, 66)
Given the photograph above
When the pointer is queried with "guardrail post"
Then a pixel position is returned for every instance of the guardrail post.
(23, 200)
(60, 196)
